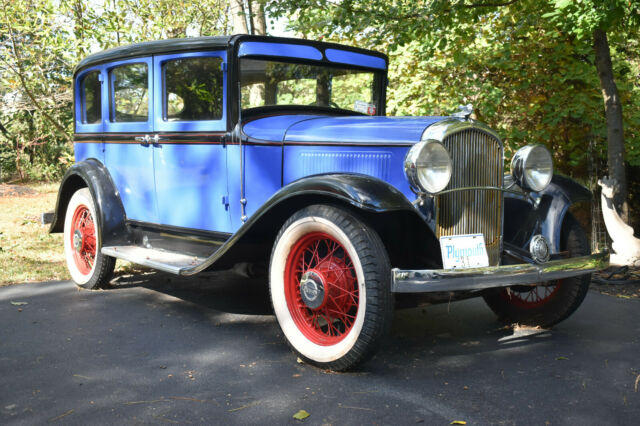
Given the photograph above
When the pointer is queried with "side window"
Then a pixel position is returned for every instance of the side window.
(91, 108)
(192, 89)
(129, 93)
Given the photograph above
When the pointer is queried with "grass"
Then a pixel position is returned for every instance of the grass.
(28, 253)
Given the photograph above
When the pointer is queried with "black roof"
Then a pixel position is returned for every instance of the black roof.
(198, 43)
(156, 46)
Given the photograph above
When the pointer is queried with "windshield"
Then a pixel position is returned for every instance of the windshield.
(265, 83)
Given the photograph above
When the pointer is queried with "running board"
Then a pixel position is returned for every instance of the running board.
(168, 261)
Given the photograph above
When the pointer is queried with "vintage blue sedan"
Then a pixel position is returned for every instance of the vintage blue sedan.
(275, 154)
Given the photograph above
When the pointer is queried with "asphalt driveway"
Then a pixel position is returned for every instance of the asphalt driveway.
(157, 349)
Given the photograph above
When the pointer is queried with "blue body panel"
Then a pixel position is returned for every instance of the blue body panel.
(131, 168)
(191, 186)
(263, 168)
(273, 128)
(340, 130)
(385, 163)
(84, 151)
(358, 130)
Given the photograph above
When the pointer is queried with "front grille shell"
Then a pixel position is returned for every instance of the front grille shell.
(472, 202)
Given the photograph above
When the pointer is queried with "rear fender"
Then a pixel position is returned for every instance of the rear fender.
(93, 175)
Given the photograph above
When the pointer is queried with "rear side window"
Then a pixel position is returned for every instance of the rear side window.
(192, 89)
(130, 93)
(91, 98)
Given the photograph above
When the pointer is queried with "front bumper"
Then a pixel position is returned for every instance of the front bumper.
(432, 280)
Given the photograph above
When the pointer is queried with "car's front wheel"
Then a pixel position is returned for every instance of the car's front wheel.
(329, 283)
(88, 267)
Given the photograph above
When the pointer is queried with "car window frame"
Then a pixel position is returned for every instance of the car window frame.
(130, 126)
(162, 125)
(79, 101)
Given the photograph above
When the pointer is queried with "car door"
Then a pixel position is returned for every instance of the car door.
(189, 155)
(128, 153)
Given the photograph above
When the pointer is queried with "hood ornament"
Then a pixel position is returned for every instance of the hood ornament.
(465, 111)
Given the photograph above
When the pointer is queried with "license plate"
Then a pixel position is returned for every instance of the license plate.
(463, 251)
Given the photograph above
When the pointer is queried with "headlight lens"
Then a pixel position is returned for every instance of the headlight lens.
(532, 167)
(428, 166)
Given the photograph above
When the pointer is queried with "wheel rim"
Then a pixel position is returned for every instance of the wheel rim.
(531, 297)
(83, 239)
(321, 288)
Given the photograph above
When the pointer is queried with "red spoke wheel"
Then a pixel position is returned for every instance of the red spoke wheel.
(329, 282)
(531, 297)
(83, 239)
(321, 288)
(88, 267)
(547, 303)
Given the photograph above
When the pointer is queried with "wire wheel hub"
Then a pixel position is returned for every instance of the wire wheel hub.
(312, 289)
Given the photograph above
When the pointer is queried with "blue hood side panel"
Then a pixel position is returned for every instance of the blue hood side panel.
(340, 130)
(273, 128)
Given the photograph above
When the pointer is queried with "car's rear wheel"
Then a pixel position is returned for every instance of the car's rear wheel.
(547, 303)
(329, 284)
(88, 267)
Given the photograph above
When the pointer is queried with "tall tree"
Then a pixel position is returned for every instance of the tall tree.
(591, 21)
(41, 41)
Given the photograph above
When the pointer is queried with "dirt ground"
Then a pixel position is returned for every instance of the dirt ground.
(7, 190)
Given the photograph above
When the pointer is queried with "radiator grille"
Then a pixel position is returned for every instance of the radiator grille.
(477, 161)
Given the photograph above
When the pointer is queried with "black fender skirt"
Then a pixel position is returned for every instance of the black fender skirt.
(542, 213)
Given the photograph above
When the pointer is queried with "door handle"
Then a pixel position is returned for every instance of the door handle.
(144, 140)
(156, 140)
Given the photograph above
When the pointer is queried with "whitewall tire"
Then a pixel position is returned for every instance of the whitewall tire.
(88, 267)
(330, 286)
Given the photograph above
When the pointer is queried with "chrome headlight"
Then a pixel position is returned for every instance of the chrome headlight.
(428, 166)
(532, 167)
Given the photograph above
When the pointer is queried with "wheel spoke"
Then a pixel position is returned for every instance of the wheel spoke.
(336, 315)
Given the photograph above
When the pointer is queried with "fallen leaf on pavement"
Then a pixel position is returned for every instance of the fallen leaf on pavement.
(637, 381)
(61, 416)
(562, 358)
(458, 422)
(19, 303)
(301, 415)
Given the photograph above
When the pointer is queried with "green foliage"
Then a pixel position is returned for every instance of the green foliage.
(527, 66)
(41, 41)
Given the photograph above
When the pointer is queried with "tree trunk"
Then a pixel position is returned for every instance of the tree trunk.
(238, 17)
(613, 112)
(258, 18)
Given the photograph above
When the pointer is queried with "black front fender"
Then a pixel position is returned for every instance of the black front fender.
(93, 175)
(542, 213)
(402, 228)
(362, 191)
